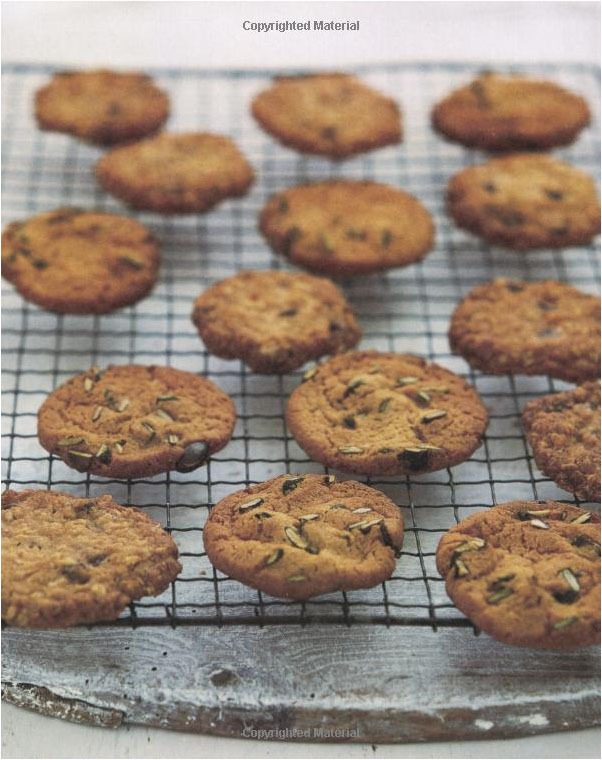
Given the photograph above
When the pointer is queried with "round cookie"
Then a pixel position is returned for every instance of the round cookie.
(275, 321)
(134, 421)
(526, 201)
(385, 414)
(331, 115)
(67, 560)
(175, 173)
(538, 328)
(527, 573)
(298, 536)
(101, 106)
(501, 112)
(346, 227)
(80, 262)
(564, 432)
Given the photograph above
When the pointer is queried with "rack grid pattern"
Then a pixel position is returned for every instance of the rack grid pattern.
(405, 310)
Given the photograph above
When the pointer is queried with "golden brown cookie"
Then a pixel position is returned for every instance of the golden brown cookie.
(331, 115)
(275, 321)
(564, 432)
(67, 560)
(298, 536)
(176, 173)
(134, 421)
(529, 328)
(80, 262)
(527, 573)
(346, 227)
(377, 413)
(101, 106)
(525, 201)
(501, 112)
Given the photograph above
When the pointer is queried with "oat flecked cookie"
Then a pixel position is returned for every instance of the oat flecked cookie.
(377, 413)
(101, 106)
(67, 560)
(347, 227)
(525, 201)
(176, 173)
(298, 536)
(501, 112)
(564, 432)
(80, 262)
(527, 573)
(331, 115)
(538, 328)
(135, 421)
(275, 321)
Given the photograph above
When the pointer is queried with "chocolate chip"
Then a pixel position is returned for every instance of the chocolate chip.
(489, 187)
(416, 460)
(195, 455)
(566, 597)
(554, 195)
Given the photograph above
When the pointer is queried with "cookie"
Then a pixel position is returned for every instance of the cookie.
(501, 112)
(175, 173)
(101, 106)
(80, 262)
(275, 321)
(331, 115)
(346, 227)
(529, 328)
(564, 432)
(134, 421)
(67, 560)
(527, 573)
(525, 201)
(298, 536)
(375, 413)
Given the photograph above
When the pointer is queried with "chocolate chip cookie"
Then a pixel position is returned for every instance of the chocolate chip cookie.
(101, 106)
(175, 173)
(511, 112)
(298, 536)
(331, 115)
(346, 227)
(526, 201)
(67, 560)
(80, 262)
(564, 432)
(275, 321)
(529, 328)
(134, 421)
(376, 413)
(527, 573)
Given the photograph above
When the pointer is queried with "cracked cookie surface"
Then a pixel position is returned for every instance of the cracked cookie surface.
(67, 560)
(345, 227)
(539, 328)
(564, 432)
(275, 321)
(80, 262)
(134, 421)
(527, 573)
(383, 413)
(298, 536)
(332, 115)
(525, 201)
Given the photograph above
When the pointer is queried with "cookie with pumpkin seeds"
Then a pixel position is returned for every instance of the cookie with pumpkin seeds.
(73, 261)
(564, 432)
(525, 201)
(329, 114)
(530, 328)
(134, 421)
(385, 414)
(298, 536)
(527, 573)
(347, 227)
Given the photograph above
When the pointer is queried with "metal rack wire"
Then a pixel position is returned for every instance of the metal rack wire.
(405, 310)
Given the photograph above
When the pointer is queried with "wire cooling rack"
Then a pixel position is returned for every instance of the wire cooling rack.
(404, 310)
